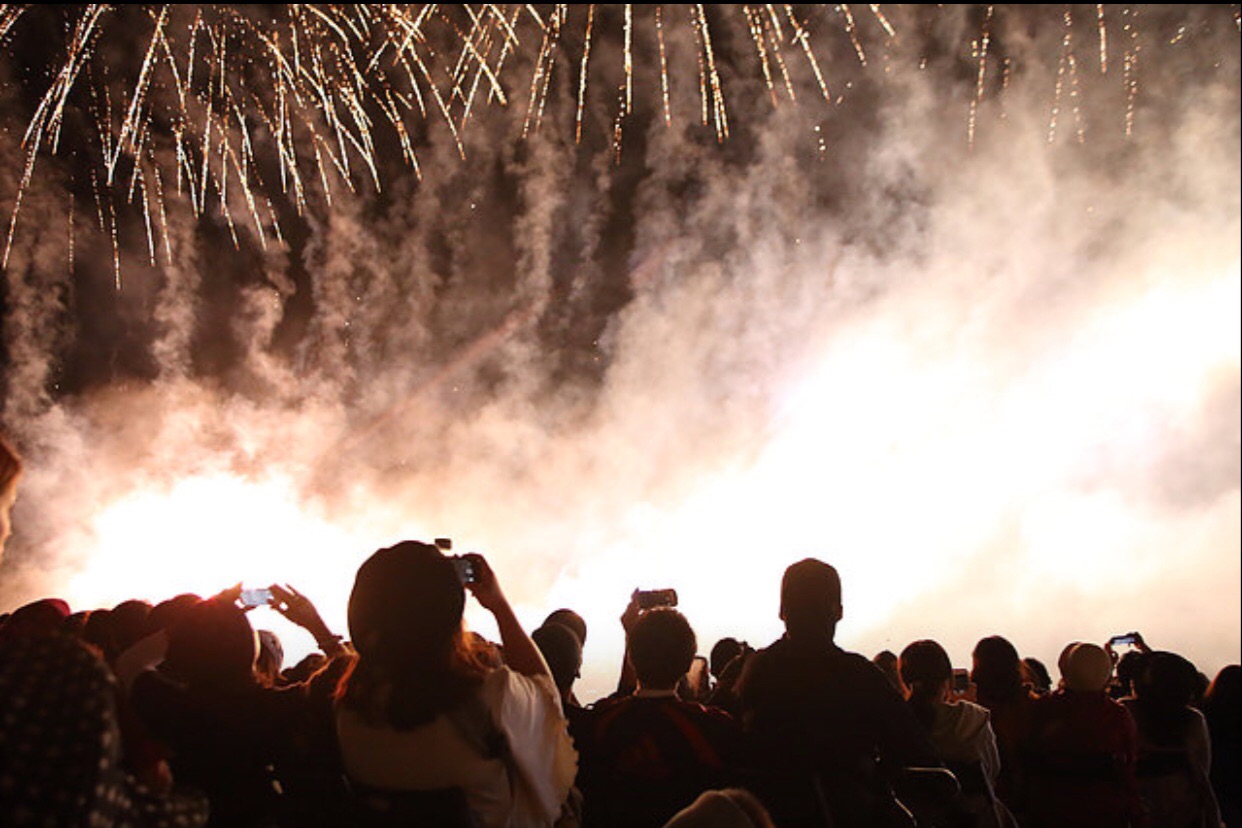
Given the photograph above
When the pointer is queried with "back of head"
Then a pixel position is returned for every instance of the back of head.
(129, 623)
(406, 599)
(997, 670)
(1130, 669)
(1168, 681)
(723, 651)
(572, 620)
(1087, 669)
(405, 619)
(661, 647)
(167, 614)
(213, 645)
(925, 666)
(43, 617)
(563, 652)
(810, 596)
(1036, 674)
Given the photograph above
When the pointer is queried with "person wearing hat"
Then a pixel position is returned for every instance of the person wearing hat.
(1083, 750)
(430, 730)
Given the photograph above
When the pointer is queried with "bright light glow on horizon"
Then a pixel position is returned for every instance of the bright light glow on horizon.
(897, 464)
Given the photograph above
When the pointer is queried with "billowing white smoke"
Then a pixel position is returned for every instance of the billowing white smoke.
(997, 385)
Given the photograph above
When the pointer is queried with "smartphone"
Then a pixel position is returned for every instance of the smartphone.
(256, 597)
(465, 569)
(1127, 640)
(961, 680)
(648, 598)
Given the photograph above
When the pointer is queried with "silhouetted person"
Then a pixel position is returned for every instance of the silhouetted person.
(959, 730)
(1082, 751)
(572, 620)
(1222, 707)
(827, 729)
(649, 754)
(1175, 751)
(996, 672)
(886, 660)
(424, 719)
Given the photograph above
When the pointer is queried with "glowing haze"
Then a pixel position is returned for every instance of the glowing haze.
(997, 384)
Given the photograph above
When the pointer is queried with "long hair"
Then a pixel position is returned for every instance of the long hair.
(415, 660)
(926, 670)
(997, 672)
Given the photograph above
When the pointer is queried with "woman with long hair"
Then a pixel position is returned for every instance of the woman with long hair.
(427, 719)
(959, 730)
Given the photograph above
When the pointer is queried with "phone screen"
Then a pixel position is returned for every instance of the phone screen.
(256, 597)
(465, 570)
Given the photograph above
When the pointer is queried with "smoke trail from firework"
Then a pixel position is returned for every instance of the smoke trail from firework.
(994, 385)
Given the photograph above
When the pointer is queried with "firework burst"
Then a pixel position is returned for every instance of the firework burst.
(247, 110)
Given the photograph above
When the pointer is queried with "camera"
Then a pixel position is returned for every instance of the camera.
(650, 598)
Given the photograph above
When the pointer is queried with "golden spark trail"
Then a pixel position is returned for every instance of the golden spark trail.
(754, 23)
(582, 71)
(668, 112)
(1103, 29)
(852, 31)
(983, 65)
(804, 40)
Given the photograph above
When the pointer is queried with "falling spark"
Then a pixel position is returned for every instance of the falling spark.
(983, 64)
(1103, 29)
(582, 72)
(668, 111)
(804, 40)
(755, 24)
(852, 31)
(177, 97)
(1130, 70)
(879, 15)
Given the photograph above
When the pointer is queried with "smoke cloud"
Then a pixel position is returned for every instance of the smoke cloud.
(996, 382)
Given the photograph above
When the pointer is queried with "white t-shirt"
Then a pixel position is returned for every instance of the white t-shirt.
(438, 755)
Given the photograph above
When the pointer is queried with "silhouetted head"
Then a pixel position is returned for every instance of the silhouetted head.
(997, 670)
(213, 645)
(129, 623)
(38, 618)
(563, 652)
(810, 597)
(1130, 669)
(167, 614)
(1036, 675)
(407, 599)
(1087, 668)
(572, 620)
(1168, 681)
(925, 667)
(887, 661)
(661, 648)
(723, 651)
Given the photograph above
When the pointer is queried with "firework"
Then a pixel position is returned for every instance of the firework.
(243, 109)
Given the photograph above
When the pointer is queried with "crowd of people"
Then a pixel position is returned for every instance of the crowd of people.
(181, 714)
